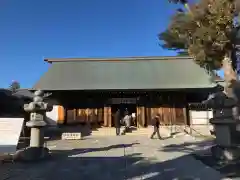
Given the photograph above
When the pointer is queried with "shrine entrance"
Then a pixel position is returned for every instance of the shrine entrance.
(130, 108)
(123, 104)
(99, 111)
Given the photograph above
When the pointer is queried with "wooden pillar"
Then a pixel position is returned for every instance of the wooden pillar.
(141, 116)
(95, 116)
(105, 119)
(61, 115)
(148, 116)
(65, 116)
(185, 116)
(74, 115)
(100, 115)
(174, 116)
(91, 115)
(107, 116)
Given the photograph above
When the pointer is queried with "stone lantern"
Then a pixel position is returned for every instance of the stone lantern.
(37, 110)
(225, 124)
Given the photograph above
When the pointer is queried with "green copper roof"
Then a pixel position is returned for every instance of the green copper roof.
(124, 73)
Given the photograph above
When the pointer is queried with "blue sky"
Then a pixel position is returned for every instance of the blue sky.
(32, 30)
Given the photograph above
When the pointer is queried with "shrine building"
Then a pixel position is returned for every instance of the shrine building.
(89, 90)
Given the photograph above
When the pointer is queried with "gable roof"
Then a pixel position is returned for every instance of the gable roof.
(149, 73)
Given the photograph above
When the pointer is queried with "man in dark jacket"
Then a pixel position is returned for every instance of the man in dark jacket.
(117, 122)
(156, 124)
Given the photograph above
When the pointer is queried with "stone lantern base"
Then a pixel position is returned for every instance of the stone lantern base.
(225, 153)
(227, 139)
(32, 154)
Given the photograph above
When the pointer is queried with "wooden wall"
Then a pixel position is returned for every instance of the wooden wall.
(170, 106)
(172, 109)
(87, 115)
(169, 115)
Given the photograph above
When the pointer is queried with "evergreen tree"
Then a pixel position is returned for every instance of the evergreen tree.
(206, 30)
(14, 86)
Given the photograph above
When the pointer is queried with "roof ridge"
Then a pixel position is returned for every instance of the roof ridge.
(137, 58)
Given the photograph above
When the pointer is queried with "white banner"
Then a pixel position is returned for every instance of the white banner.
(10, 130)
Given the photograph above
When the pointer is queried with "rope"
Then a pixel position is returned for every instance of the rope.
(183, 129)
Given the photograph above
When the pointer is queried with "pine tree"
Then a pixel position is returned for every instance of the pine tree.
(207, 31)
(14, 86)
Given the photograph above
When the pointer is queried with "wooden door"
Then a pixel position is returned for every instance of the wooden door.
(71, 116)
(148, 116)
(180, 116)
(180, 109)
(90, 115)
(81, 115)
(165, 116)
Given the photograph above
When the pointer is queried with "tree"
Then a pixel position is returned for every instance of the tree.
(14, 86)
(183, 2)
(206, 31)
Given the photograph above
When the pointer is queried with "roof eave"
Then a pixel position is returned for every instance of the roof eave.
(146, 89)
(50, 60)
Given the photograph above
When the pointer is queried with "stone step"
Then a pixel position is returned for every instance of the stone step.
(107, 131)
(140, 131)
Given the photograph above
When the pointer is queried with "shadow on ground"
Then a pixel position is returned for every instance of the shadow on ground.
(88, 150)
(78, 164)
(230, 170)
(201, 151)
(189, 147)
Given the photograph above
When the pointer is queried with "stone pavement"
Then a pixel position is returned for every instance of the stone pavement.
(116, 158)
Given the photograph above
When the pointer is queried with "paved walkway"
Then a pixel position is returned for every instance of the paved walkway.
(116, 158)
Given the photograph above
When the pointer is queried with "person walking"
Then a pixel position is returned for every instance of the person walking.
(156, 124)
(127, 122)
(134, 119)
(117, 122)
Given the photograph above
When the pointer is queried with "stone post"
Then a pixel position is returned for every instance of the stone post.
(37, 110)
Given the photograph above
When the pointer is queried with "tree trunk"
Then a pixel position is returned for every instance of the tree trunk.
(230, 77)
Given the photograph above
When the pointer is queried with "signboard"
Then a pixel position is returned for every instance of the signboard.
(123, 100)
(10, 130)
(71, 136)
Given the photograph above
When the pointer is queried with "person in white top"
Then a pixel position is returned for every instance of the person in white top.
(127, 122)
(134, 119)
